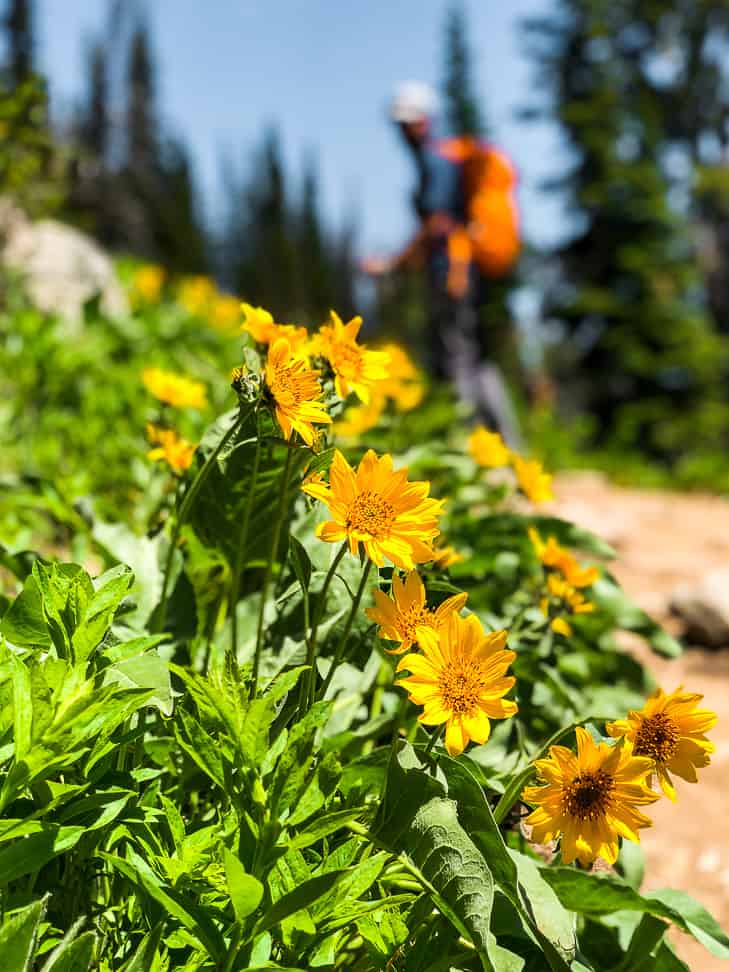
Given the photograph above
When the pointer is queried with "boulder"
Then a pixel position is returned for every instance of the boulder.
(62, 267)
(704, 609)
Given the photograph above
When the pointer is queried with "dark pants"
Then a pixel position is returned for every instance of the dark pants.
(457, 354)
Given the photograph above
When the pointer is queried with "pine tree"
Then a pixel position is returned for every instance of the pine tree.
(313, 257)
(142, 142)
(645, 360)
(21, 42)
(462, 107)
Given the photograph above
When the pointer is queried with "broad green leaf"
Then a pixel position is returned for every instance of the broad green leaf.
(22, 708)
(18, 935)
(111, 588)
(591, 894)
(246, 892)
(24, 624)
(147, 671)
(200, 747)
(322, 826)
(300, 563)
(454, 867)
(74, 954)
(29, 854)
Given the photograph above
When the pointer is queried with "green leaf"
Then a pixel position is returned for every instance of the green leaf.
(24, 624)
(300, 562)
(18, 935)
(111, 588)
(146, 953)
(73, 954)
(454, 867)
(329, 823)
(591, 894)
(29, 854)
(148, 671)
(200, 747)
(301, 897)
(246, 892)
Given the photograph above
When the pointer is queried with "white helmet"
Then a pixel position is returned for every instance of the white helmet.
(412, 102)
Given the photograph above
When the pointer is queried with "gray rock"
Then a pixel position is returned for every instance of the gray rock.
(704, 609)
(61, 266)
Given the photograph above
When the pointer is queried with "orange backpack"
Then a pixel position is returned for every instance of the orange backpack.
(491, 238)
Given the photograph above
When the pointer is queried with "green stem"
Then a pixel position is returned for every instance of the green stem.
(339, 651)
(306, 692)
(240, 548)
(269, 571)
(434, 737)
(184, 511)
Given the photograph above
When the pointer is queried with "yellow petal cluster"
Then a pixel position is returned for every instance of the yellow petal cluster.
(556, 557)
(170, 447)
(225, 312)
(533, 481)
(669, 731)
(295, 391)
(488, 449)
(377, 507)
(589, 799)
(259, 323)
(355, 368)
(174, 389)
(196, 294)
(460, 680)
(147, 284)
(563, 598)
(405, 618)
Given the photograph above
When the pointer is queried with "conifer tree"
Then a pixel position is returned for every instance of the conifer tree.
(20, 41)
(463, 111)
(313, 257)
(645, 360)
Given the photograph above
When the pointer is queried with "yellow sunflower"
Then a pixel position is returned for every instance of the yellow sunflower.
(295, 390)
(173, 389)
(404, 384)
(445, 557)
(532, 479)
(264, 330)
(225, 312)
(554, 556)
(169, 446)
(590, 799)
(405, 617)
(147, 284)
(196, 293)
(378, 508)
(355, 368)
(488, 448)
(460, 681)
(669, 730)
(358, 419)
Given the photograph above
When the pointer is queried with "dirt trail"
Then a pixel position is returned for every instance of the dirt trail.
(664, 540)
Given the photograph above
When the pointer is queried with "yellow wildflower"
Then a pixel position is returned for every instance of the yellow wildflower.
(404, 384)
(295, 390)
(225, 312)
(445, 557)
(590, 799)
(669, 730)
(355, 368)
(169, 446)
(378, 508)
(147, 283)
(196, 293)
(405, 617)
(264, 330)
(358, 419)
(554, 556)
(488, 448)
(461, 681)
(533, 481)
(565, 598)
(173, 389)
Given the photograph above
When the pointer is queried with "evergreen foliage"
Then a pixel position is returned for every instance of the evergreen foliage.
(463, 111)
(640, 352)
(21, 41)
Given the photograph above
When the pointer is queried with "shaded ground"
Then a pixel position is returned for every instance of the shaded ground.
(664, 540)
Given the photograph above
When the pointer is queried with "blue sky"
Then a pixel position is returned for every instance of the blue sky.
(323, 71)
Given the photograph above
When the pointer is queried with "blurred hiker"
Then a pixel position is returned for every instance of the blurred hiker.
(468, 233)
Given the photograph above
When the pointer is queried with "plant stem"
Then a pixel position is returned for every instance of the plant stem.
(339, 651)
(184, 511)
(269, 571)
(306, 692)
(434, 737)
(240, 548)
